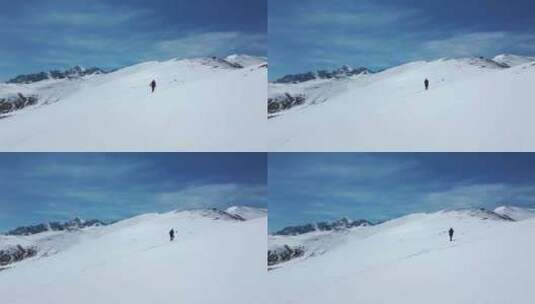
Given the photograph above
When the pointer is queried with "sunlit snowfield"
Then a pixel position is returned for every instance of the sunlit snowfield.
(215, 258)
(473, 104)
(411, 260)
(200, 104)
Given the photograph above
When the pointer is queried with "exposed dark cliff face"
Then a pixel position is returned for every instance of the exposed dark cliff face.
(284, 254)
(284, 102)
(16, 102)
(15, 254)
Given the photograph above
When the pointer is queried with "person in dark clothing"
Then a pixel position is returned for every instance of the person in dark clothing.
(426, 83)
(171, 235)
(153, 85)
(451, 234)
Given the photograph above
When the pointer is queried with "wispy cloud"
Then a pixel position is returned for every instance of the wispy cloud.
(314, 35)
(97, 15)
(49, 186)
(199, 196)
(365, 16)
(365, 168)
(470, 195)
(211, 43)
(470, 44)
(324, 186)
(56, 34)
(92, 169)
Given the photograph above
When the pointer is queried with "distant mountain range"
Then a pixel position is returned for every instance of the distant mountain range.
(340, 224)
(74, 72)
(342, 72)
(76, 223)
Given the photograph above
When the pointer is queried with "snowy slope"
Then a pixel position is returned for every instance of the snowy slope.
(132, 261)
(473, 104)
(201, 104)
(518, 214)
(410, 260)
(246, 60)
(513, 60)
(246, 212)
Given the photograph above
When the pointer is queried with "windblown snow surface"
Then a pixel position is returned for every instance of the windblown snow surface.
(200, 104)
(247, 213)
(214, 259)
(473, 104)
(410, 260)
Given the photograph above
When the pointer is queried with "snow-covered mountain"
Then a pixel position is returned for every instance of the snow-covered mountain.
(200, 104)
(310, 88)
(411, 260)
(301, 240)
(343, 223)
(342, 72)
(74, 72)
(215, 258)
(76, 223)
(474, 103)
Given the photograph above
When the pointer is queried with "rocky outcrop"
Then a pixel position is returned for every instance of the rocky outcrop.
(340, 224)
(216, 62)
(284, 102)
(283, 254)
(15, 254)
(216, 214)
(74, 72)
(16, 102)
(76, 223)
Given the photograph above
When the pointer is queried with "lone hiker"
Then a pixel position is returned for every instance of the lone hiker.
(426, 83)
(171, 235)
(153, 85)
(451, 234)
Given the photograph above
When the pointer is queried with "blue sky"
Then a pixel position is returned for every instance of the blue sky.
(312, 187)
(41, 187)
(55, 34)
(312, 34)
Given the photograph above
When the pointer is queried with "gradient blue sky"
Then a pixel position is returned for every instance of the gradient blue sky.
(55, 34)
(313, 34)
(312, 187)
(41, 187)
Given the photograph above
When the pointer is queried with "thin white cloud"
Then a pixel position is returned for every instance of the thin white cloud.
(368, 16)
(212, 195)
(470, 44)
(365, 168)
(97, 14)
(210, 43)
(477, 195)
(88, 170)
